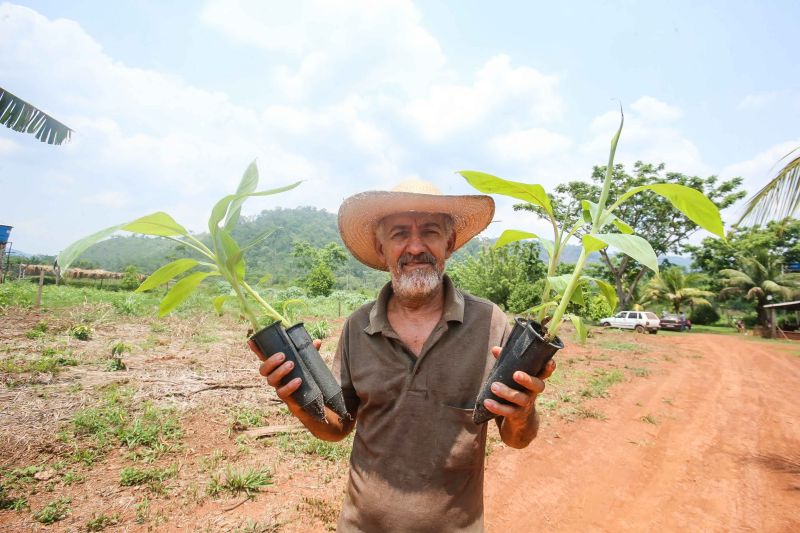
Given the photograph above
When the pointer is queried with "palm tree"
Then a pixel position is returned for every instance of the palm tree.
(760, 277)
(779, 198)
(21, 116)
(678, 288)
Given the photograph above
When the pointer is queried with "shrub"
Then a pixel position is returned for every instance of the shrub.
(704, 315)
(130, 279)
(318, 330)
(320, 280)
(53, 512)
(81, 332)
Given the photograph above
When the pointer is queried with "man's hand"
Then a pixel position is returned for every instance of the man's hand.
(275, 368)
(521, 422)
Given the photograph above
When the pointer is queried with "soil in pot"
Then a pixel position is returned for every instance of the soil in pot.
(525, 350)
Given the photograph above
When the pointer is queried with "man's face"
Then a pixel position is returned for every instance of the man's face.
(415, 247)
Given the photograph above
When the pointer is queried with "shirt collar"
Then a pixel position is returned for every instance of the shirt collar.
(453, 307)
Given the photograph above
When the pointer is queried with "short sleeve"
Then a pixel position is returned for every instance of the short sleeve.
(341, 371)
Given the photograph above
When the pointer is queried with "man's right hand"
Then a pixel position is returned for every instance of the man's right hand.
(275, 368)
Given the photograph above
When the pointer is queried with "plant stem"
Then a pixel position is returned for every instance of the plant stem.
(270, 310)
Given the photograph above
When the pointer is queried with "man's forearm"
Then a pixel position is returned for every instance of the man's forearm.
(331, 429)
(518, 432)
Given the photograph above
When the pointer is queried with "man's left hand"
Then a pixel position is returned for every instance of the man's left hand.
(522, 402)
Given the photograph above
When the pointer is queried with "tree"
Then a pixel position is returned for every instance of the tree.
(675, 286)
(19, 115)
(760, 276)
(507, 275)
(651, 216)
(779, 198)
(321, 262)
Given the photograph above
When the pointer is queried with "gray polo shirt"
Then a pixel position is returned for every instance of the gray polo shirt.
(417, 459)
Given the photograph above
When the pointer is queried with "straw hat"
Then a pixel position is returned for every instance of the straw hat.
(359, 215)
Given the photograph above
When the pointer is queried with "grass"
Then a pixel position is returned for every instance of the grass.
(99, 523)
(246, 417)
(649, 419)
(600, 382)
(54, 511)
(50, 362)
(621, 346)
(320, 509)
(235, 481)
(306, 444)
(639, 372)
(149, 434)
(155, 477)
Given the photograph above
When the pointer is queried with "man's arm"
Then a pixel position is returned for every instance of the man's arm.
(520, 421)
(275, 368)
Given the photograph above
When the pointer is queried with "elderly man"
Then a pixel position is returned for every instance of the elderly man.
(411, 364)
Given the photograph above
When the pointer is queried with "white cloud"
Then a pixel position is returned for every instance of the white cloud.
(755, 102)
(653, 110)
(112, 199)
(524, 145)
(7, 146)
(498, 87)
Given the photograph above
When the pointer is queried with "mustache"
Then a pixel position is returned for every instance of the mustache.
(424, 257)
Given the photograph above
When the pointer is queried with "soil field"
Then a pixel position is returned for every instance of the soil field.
(640, 432)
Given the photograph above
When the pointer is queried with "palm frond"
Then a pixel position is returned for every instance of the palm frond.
(779, 198)
(19, 115)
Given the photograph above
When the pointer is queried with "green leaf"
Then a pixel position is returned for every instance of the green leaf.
(622, 226)
(234, 258)
(513, 235)
(69, 254)
(159, 224)
(559, 284)
(218, 302)
(688, 201)
(488, 184)
(592, 244)
(546, 305)
(580, 327)
(181, 291)
(608, 292)
(222, 206)
(587, 212)
(247, 185)
(264, 236)
(590, 210)
(166, 273)
(632, 245)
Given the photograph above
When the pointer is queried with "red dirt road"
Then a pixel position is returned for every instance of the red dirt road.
(719, 451)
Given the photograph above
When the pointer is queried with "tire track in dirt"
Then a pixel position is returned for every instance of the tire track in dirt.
(722, 455)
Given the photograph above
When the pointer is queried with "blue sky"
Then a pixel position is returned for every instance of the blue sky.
(171, 100)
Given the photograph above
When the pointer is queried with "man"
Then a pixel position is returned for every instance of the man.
(411, 365)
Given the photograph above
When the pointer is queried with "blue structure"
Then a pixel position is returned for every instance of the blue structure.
(5, 232)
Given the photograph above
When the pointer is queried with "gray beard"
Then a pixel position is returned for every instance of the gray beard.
(417, 284)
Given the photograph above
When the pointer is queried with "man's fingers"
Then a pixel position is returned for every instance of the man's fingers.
(499, 408)
(535, 385)
(507, 393)
(548, 370)
(317, 343)
(496, 351)
(286, 391)
(275, 377)
(256, 351)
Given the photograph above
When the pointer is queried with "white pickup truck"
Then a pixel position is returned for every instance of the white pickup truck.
(641, 321)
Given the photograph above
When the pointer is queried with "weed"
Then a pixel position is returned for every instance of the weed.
(246, 417)
(321, 510)
(99, 523)
(248, 481)
(204, 338)
(650, 419)
(75, 387)
(115, 364)
(53, 512)
(306, 444)
(639, 372)
(621, 346)
(600, 382)
(668, 401)
(211, 462)
(142, 511)
(158, 327)
(82, 332)
(72, 477)
(154, 477)
(587, 412)
(318, 330)
(251, 526)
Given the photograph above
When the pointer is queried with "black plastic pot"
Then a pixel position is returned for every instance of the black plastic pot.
(331, 391)
(273, 339)
(525, 350)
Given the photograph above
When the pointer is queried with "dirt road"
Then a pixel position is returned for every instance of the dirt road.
(710, 443)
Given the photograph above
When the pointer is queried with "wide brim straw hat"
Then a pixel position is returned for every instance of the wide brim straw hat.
(359, 215)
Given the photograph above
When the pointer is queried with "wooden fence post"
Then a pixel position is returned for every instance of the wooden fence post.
(39, 291)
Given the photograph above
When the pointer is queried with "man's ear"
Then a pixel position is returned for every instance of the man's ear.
(378, 248)
(451, 244)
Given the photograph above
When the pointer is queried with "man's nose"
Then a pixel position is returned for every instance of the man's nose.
(416, 245)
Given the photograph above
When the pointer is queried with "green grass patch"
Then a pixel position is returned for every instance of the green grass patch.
(148, 434)
(599, 383)
(621, 346)
(53, 512)
(235, 481)
(639, 372)
(155, 477)
(306, 444)
(99, 523)
(246, 417)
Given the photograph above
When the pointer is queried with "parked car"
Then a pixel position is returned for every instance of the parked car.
(640, 321)
(675, 323)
